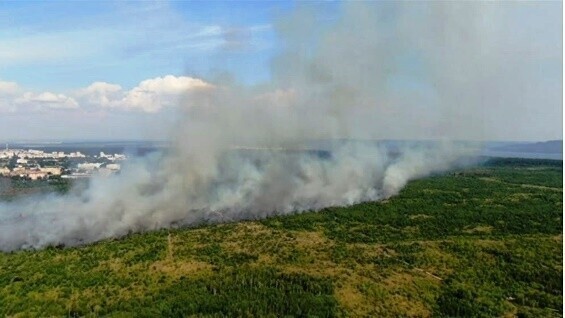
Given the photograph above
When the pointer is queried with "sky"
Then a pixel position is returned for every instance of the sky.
(117, 69)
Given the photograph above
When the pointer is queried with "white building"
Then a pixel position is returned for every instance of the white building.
(54, 171)
(77, 154)
(89, 165)
(4, 171)
(35, 175)
(113, 166)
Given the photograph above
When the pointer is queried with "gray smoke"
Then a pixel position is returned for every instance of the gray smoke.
(376, 71)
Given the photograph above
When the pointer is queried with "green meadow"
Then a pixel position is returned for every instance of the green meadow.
(479, 242)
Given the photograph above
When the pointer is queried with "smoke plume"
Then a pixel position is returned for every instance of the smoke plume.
(300, 142)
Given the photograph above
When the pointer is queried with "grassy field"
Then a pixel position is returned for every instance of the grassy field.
(481, 242)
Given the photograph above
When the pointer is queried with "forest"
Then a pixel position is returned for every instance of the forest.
(485, 241)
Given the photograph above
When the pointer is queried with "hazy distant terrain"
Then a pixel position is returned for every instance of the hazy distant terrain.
(552, 146)
(138, 148)
(552, 149)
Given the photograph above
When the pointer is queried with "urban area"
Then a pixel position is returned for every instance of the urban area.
(39, 165)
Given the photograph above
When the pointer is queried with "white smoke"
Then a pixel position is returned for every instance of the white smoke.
(191, 188)
(241, 153)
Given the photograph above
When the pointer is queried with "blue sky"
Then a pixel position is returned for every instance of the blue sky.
(64, 45)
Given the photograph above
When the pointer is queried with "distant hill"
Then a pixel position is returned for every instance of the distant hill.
(551, 146)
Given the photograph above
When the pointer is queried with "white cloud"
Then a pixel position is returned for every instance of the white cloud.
(7, 92)
(149, 96)
(100, 94)
(45, 100)
(101, 88)
(171, 84)
(153, 94)
(8, 88)
(13, 98)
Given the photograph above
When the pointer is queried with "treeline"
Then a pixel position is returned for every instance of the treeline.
(521, 162)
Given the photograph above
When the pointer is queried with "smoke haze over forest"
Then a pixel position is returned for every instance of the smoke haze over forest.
(437, 70)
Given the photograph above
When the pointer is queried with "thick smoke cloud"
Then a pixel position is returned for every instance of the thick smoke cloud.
(378, 71)
(190, 188)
